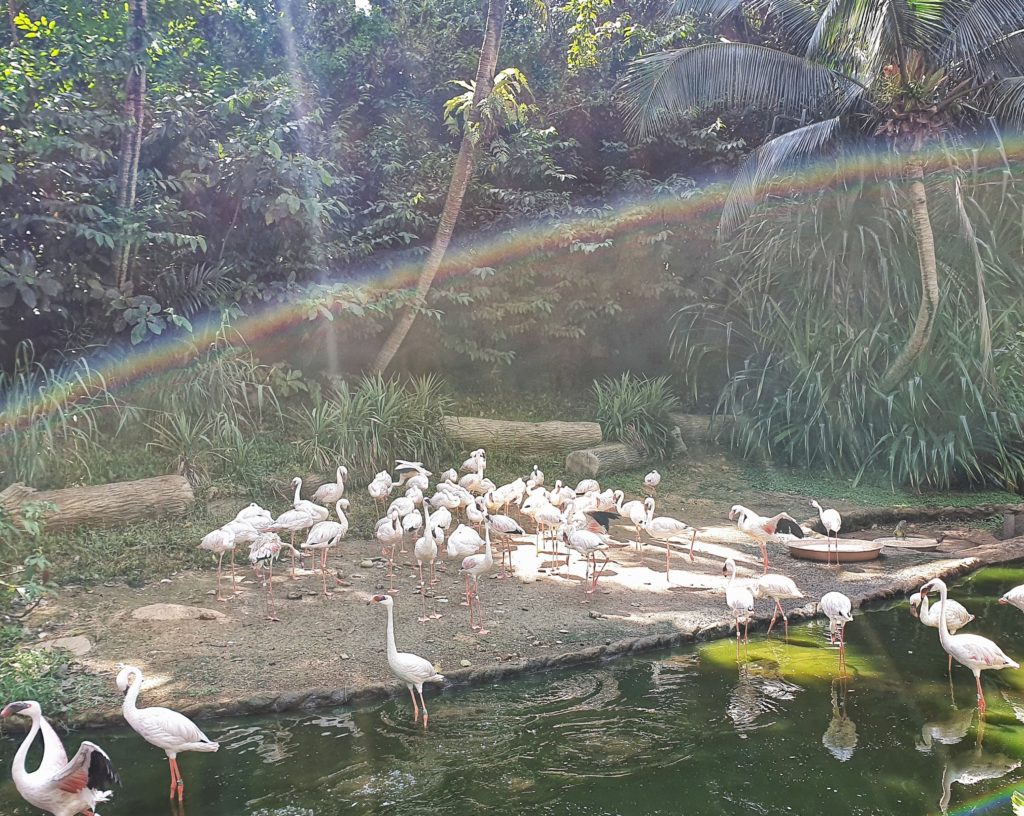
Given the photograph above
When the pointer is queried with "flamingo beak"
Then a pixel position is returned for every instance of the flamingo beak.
(1003, 601)
(376, 599)
(13, 708)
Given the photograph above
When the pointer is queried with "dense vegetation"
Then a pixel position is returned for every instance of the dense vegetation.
(256, 229)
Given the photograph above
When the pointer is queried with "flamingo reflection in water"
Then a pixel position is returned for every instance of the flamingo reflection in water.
(840, 738)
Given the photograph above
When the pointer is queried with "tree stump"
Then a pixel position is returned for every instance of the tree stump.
(603, 459)
(105, 505)
(527, 438)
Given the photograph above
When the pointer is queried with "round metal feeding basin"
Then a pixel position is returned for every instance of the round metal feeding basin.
(848, 552)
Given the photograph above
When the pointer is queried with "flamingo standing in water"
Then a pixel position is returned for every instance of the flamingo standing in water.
(975, 652)
(411, 669)
(473, 566)
(60, 787)
(839, 611)
(779, 588)
(832, 522)
(738, 598)
(162, 727)
(957, 617)
(1014, 597)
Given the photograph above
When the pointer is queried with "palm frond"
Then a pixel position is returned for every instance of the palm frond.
(726, 76)
(988, 30)
(768, 160)
(795, 19)
(1006, 101)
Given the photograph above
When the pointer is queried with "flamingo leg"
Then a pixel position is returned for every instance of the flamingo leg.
(402, 550)
(775, 615)
(293, 556)
(737, 627)
(466, 602)
(668, 568)
(949, 667)
(692, 539)
(764, 551)
(746, 627)
(180, 781)
(415, 706)
(271, 610)
(426, 715)
(423, 600)
(220, 560)
(981, 694)
(234, 584)
(479, 628)
(174, 778)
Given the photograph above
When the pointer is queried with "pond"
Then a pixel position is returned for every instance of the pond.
(768, 728)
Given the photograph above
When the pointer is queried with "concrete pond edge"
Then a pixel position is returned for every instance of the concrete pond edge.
(322, 698)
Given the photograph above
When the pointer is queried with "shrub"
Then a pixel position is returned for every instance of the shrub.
(638, 410)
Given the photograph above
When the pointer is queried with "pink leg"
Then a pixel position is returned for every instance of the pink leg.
(764, 550)
(668, 568)
(181, 782)
(775, 616)
(415, 706)
(981, 694)
(220, 560)
(692, 539)
(234, 584)
(271, 610)
(426, 715)
(466, 602)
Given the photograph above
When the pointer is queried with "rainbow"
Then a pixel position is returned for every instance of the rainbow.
(997, 801)
(372, 287)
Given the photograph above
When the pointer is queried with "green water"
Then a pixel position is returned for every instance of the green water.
(766, 729)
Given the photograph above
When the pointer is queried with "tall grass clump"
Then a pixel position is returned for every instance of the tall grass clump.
(637, 410)
(53, 419)
(822, 301)
(373, 421)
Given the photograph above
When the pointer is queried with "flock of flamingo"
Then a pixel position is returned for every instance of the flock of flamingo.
(576, 519)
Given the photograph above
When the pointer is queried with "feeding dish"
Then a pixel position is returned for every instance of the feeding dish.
(849, 550)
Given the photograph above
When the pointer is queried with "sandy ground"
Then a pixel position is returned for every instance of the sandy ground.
(338, 642)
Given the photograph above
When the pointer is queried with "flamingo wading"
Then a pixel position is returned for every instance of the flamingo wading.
(162, 727)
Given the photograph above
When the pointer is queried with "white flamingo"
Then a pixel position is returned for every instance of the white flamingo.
(779, 588)
(668, 530)
(316, 511)
(587, 543)
(584, 486)
(380, 488)
(255, 515)
(263, 552)
(477, 461)
(60, 787)
(326, 534)
(218, 542)
(411, 669)
(389, 533)
(473, 566)
(651, 482)
(162, 727)
(1014, 597)
(463, 542)
(636, 511)
(832, 522)
(957, 617)
(506, 527)
(537, 476)
(762, 528)
(975, 652)
(738, 598)
(839, 611)
(425, 550)
(407, 471)
(292, 522)
(331, 492)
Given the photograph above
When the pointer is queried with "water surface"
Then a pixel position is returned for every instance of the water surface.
(771, 728)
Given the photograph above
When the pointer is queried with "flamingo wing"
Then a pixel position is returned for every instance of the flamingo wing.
(166, 727)
(89, 768)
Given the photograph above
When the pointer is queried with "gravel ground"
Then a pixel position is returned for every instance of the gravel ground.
(336, 645)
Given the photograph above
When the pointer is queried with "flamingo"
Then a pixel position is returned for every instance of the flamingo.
(411, 669)
(547, 517)
(957, 617)
(263, 552)
(537, 476)
(330, 492)
(411, 524)
(761, 528)
(219, 542)
(326, 534)
(778, 588)
(651, 482)
(473, 566)
(585, 486)
(408, 470)
(425, 549)
(738, 598)
(666, 530)
(465, 541)
(389, 532)
(975, 652)
(254, 514)
(588, 544)
(162, 727)
(292, 522)
(1014, 597)
(839, 611)
(477, 461)
(832, 522)
(316, 511)
(380, 488)
(636, 511)
(450, 475)
(506, 527)
(60, 787)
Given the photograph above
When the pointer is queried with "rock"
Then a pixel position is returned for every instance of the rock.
(294, 595)
(175, 612)
(464, 663)
(595, 615)
(78, 645)
(345, 656)
(366, 563)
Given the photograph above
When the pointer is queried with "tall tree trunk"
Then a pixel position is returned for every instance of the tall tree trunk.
(131, 139)
(11, 14)
(929, 308)
(461, 175)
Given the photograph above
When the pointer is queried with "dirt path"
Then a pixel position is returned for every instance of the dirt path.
(331, 650)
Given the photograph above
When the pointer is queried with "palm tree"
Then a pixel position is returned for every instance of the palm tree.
(461, 175)
(907, 73)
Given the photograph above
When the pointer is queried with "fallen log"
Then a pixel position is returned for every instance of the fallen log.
(603, 459)
(527, 438)
(106, 504)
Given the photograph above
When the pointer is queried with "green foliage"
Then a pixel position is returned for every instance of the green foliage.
(370, 423)
(18, 537)
(638, 410)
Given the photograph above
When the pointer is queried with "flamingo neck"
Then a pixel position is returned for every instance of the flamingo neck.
(732, 575)
(943, 628)
(298, 488)
(487, 541)
(130, 705)
(337, 476)
(18, 771)
(924, 607)
(392, 649)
